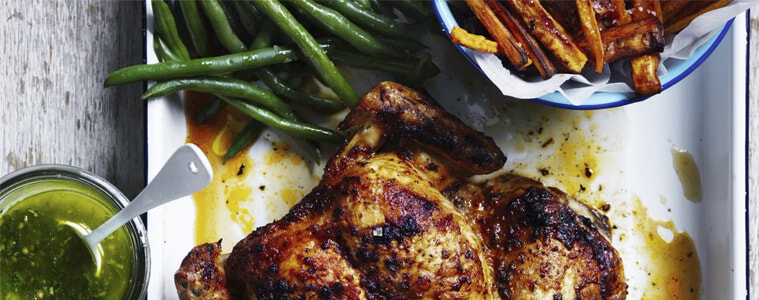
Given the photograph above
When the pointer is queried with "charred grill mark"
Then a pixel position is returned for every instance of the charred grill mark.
(409, 227)
(406, 154)
(383, 94)
(396, 231)
(367, 256)
(393, 264)
(429, 205)
(462, 280)
(338, 212)
(273, 268)
(369, 285)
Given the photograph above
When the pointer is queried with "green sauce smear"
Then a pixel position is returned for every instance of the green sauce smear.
(40, 258)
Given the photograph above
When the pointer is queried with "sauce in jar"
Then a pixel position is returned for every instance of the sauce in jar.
(43, 258)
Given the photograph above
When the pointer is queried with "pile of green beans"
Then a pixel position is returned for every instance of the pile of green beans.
(253, 55)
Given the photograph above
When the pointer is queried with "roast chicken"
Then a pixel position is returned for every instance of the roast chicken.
(395, 217)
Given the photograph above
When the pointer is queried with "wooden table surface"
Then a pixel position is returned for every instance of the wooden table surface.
(55, 56)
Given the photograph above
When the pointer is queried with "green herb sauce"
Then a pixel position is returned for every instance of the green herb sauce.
(40, 258)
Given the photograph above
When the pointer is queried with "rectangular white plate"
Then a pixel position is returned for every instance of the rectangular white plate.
(704, 114)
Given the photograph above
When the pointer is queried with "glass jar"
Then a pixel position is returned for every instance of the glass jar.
(48, 193)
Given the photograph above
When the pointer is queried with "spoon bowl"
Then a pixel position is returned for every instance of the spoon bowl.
(187, 171)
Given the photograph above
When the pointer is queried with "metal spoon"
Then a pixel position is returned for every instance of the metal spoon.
(186, 172)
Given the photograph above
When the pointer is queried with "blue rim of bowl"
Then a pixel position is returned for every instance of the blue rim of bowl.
(598, 100)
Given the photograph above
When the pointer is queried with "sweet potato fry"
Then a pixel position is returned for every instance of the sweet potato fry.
(600, 30)
(690, 12)
(591, 31)
(534, 51)
(644, 76)
(473, 41)
(602, 8)
(632, 39)
(670, 8)
(565, 13)
(505, 39)
(552, 35)
(621, 16)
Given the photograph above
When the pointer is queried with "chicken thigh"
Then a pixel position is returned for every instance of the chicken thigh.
(394, 218)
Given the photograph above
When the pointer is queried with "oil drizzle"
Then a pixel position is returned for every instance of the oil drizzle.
(672, 268)
(246, 191)
(223, 200)
(688, 173)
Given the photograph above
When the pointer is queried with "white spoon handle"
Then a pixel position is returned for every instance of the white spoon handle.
(186, 172)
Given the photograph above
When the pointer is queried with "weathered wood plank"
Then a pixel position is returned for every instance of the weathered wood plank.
(753, 157)
(54, 57)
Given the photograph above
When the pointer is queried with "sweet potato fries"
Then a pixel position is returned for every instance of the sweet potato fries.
(564, 35)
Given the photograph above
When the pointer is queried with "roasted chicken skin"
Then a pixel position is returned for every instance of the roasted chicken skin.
(400, 223)
(538, 246)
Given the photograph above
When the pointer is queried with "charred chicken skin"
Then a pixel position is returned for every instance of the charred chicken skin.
(404, 223)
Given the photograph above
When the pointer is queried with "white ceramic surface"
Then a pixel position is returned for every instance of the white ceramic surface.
(703, 114)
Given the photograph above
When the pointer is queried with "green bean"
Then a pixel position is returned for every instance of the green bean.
(224, 87)
(247, 15)
(214, 106)
(296, 80)
(247, 136)
(366, 17)
(310, 48)
(196, 27)
(412, 8)
(302, 130)
(358, 60)
(280, 88)
(414, 73)
(162, 50)
(382, 8)
(221, 26)
(364, 3)
(166, 28)
(235, 22)
(406, 45)
(203, 66)
(264, 37)
(340, 26)
(254, 128)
